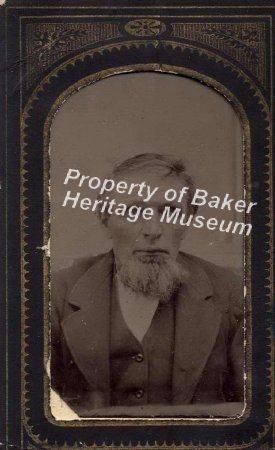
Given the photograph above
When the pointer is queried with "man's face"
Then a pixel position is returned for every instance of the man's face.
(147, 240)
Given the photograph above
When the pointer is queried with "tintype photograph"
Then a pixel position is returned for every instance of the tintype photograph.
(137, 223)
(147, 311)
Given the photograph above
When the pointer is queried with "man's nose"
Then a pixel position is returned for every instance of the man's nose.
(152, 228)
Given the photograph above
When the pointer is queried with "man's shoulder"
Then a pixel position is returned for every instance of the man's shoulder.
(226, 285)
(66, 278)
(214, 271)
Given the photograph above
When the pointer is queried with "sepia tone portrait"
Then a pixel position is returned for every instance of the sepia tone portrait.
(147, 315)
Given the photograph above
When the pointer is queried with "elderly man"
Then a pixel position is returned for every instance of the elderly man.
(146, 324)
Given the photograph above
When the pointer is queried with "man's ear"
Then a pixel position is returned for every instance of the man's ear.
(183, 236)
(107, 232)
(186, 229)
(106, 229)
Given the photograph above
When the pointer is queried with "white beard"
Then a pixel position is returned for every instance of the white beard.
(154, 276)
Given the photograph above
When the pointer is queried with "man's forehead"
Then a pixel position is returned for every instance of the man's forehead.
(153, 177)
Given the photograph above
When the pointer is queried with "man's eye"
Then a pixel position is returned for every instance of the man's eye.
(135, 208)
(162, 208)
(172, 208)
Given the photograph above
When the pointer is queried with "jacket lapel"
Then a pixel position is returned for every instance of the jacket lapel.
(197, 326)
(87, 330)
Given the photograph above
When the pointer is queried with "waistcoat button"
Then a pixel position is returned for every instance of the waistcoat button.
(139, 393)
(139, 357)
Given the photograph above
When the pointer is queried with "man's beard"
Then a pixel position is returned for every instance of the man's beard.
(152, 276)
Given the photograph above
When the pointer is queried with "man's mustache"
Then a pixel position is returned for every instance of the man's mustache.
(152, 257)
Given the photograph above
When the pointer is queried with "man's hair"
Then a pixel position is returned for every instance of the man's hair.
(167, 164)
(164, 164)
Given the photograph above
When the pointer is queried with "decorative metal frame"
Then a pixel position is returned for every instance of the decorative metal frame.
(51, 53)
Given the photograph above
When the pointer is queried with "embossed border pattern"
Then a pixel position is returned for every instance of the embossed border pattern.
(59, 53)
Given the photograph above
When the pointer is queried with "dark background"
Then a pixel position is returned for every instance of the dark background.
(124, 115)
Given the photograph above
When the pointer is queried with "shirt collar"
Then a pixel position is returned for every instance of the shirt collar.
(137, 309)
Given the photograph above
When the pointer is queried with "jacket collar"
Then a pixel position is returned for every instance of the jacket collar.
(197, 325)
(87, 330)
(94, 283)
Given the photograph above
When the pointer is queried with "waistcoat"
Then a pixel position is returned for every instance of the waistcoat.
(141, 373)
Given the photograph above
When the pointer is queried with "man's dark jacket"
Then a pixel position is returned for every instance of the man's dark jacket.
(208, 349)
